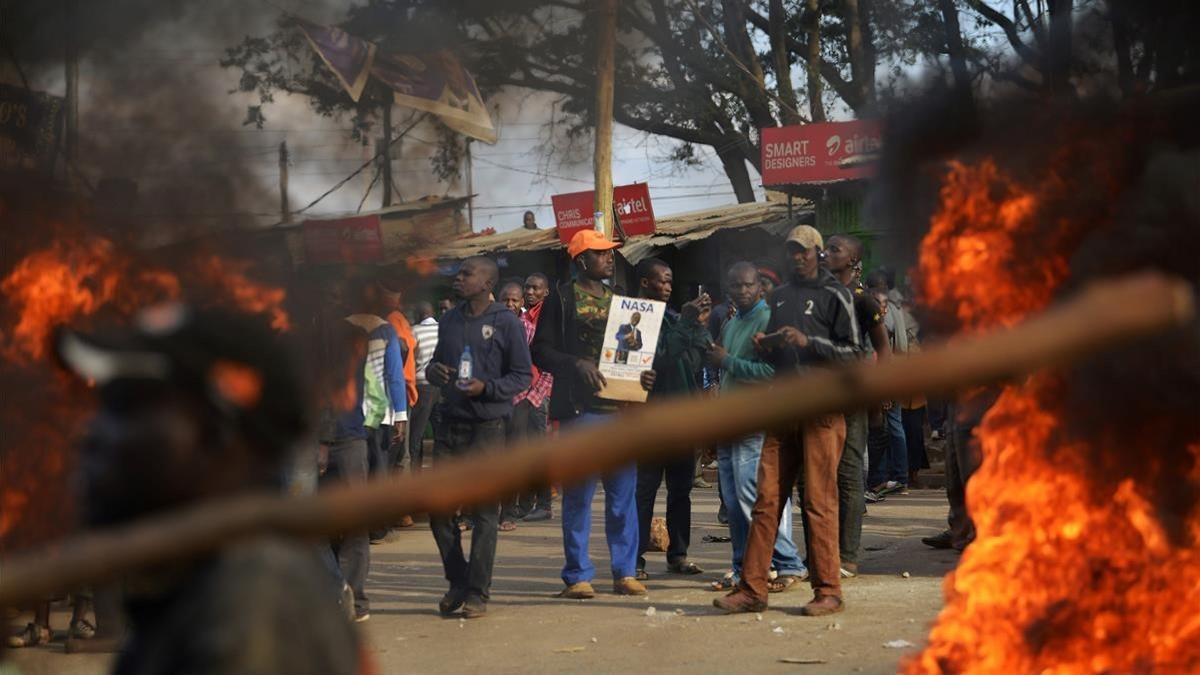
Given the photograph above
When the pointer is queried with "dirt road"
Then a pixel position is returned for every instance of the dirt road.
(528, 630)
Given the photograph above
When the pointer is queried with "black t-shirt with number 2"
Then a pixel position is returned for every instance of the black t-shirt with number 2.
(822, 309)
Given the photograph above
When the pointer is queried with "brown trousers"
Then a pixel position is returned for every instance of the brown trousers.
(818, 444)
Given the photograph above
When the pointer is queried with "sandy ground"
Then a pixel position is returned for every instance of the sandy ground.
(528, 630)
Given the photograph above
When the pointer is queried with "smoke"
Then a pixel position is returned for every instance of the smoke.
(1113, 189)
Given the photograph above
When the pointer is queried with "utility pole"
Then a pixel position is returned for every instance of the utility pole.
(285, 210)
(605, 67)
(470, 187)
(387, 149)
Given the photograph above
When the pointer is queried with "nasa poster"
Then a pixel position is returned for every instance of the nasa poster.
(630, 340)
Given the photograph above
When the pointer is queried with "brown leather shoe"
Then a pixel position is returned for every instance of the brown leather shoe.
(821, 605)
(580, 591)
(628, 586)
(738, 602)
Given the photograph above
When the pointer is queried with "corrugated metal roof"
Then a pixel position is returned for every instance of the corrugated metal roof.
(669, 231)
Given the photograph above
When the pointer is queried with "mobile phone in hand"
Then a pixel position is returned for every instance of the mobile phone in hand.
(772, 340)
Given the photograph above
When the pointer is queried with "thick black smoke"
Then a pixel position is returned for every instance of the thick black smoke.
(1117, 186)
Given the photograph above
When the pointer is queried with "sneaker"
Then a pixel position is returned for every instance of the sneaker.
(722, 515)
(579, 591)
(942, 540)
(360, 618)
(699, 482)
(888, 488)
(32, 636)
(452, 601)
(935, 435)
(474, 608)
(822, 605)
(872, 497)
(849, 570)
(739, 602)
(628, 586)
(538, 514)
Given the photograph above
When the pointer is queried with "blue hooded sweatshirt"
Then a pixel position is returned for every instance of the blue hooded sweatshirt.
(500, 358)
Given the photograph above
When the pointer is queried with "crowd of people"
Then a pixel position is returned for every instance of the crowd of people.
(520, 358)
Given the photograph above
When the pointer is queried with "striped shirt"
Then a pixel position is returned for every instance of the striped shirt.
(426, 334)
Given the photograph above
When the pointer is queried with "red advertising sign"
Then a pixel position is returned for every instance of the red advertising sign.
(573, 211)
(344, 240)
(820, 153)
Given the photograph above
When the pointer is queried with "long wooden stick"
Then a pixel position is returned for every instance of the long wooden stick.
(1103, 316)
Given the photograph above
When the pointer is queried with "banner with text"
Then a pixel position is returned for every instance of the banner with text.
(820, 153)
(343, 240)
(574, 211)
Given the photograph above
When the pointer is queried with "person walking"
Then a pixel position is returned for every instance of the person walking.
(568, 343)
(487, 339)
(531, 408)
(737, 462)
(812, 325)
(682, 341)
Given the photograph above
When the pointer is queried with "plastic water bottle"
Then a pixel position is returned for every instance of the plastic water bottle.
(466, 365)
(598, 221)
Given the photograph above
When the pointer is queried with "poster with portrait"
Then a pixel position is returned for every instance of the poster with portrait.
(630, 340)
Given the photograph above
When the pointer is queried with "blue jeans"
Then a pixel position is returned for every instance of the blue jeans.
(896, 466)
(737, 469)
(620, 519)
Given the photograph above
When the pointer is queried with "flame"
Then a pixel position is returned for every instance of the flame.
(247, 295)
(1067, 574)
(70, 279)
(67, 283)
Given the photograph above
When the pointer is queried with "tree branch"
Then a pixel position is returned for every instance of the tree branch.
(1023, 50)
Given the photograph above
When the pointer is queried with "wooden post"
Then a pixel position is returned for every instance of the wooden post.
(285, 211)
(606, 40)
(386, 158)
(470, 187)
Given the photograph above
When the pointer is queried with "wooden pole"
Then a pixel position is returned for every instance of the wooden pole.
(285, 210)
(386, 157)
(470, 187)
(606, 43)
(1133, 307)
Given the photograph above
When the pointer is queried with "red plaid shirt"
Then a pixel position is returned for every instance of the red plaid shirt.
(543, 382)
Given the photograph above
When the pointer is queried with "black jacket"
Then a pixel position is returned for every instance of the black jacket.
(500, 359)
(556, 348)
(822, 309)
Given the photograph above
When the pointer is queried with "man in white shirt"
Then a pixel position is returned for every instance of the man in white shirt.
(428, 394)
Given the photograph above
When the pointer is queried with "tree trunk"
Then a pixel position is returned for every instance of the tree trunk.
(1058, 69)
(816, 86)
(733, 159)
(954, 45)
(862, 62)
(783, 63)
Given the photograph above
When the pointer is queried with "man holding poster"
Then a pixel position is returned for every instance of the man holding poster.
(571, 339)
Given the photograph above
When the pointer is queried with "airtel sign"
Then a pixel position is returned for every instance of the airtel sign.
(573, 211)
(820, 153)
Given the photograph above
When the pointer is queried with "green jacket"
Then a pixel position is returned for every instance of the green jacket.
(680, 355)
(742, 364)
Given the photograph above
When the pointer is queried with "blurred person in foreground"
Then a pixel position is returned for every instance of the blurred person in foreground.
(812, 325)
(197, 407)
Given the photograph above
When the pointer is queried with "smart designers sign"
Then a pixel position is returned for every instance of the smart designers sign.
(820, 153)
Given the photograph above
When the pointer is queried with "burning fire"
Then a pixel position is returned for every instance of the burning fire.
(1068, 573)
(70, 282)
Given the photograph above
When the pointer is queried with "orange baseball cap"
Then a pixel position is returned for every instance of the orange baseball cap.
(589, 240)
